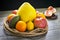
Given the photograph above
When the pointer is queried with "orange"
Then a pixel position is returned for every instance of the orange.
(10, 16)
(21, 26)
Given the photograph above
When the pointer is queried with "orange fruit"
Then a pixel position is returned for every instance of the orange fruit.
(21, 26)
(10, 16)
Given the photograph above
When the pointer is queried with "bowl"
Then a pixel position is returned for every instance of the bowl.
(35, 32)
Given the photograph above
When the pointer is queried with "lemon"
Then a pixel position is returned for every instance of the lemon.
(41, 15)
(30, 26)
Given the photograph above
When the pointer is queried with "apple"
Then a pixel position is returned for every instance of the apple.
(14, 11)
(40, 22)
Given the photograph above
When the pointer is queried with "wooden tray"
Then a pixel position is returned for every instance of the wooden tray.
(35, 32)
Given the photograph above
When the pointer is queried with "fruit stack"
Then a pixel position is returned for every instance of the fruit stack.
(26, 19)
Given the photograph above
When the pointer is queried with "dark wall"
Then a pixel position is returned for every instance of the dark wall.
(14, 4)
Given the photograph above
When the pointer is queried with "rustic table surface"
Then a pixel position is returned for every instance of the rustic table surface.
(53, 28)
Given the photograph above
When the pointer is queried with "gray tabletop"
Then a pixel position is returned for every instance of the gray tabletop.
(53, 28)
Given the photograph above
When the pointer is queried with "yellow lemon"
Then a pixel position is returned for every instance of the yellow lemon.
(40, 15)
(30, 26)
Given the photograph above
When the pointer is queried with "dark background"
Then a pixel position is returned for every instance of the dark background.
(14, 4)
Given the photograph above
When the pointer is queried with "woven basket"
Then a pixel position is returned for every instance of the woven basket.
(34, 32)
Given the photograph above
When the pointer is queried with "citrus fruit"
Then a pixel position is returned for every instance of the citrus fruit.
(40, 15)
(10, 16)
(27, 12)
(21, 26)
(30, 26)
